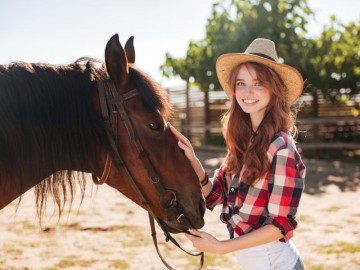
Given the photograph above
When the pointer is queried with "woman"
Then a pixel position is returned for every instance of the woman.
(260, 182)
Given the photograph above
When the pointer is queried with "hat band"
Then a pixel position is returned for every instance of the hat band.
(264, 55)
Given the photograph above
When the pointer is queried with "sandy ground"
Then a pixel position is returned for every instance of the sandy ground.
(108, 231)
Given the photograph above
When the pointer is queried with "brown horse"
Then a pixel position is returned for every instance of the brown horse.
(53, 130)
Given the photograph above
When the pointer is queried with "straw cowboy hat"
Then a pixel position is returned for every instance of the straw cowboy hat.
(260, 51)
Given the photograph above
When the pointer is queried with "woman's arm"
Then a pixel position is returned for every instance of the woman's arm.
(207, 243)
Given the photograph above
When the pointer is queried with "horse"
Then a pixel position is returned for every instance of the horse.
(59, 123)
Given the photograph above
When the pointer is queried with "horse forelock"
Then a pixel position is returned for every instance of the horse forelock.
(153, 96)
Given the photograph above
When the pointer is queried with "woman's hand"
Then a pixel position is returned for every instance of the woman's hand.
(205, 242)
(184, 144)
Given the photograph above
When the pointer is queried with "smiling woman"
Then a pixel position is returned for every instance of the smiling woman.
(261, 180)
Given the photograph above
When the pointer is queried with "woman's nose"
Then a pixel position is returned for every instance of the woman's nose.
(247, 89)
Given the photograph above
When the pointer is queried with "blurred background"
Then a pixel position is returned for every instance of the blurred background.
(177, 44)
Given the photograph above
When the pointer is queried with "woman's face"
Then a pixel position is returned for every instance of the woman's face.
(251, 95)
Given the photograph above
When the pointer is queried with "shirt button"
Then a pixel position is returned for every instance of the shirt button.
(232, 189)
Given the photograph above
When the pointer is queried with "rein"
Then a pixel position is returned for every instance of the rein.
(105, 173)
(112, 105)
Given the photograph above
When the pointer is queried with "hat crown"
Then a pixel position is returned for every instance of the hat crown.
(262, 46)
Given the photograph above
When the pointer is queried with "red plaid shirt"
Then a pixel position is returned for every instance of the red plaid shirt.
(274, 199)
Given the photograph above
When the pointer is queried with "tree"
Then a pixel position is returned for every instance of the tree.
(336, 59)
(330, 63)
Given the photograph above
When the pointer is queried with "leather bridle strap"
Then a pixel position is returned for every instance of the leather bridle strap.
(106, 171)
(168, 237)
(111, 100)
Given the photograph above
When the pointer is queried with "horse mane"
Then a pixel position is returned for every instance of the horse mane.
(45, 111)
(47, 114)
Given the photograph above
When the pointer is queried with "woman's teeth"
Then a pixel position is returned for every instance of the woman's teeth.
(250, 101)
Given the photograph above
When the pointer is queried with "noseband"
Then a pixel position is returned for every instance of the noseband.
(112, 105)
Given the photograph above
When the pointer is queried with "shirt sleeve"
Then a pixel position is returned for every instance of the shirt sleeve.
(216, 195)
(286, 183)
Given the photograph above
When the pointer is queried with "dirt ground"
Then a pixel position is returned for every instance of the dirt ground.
(108, 231)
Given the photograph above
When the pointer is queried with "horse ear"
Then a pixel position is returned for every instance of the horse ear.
(116, 61)
(130, 51)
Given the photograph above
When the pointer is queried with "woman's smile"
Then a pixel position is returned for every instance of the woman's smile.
(250, 101)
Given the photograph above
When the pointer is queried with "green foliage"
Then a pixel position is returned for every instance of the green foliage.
(217, 140)
(334, 61)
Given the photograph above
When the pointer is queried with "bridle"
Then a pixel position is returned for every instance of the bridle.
(112, 106)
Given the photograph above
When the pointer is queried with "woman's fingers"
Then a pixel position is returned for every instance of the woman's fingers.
(183, 146)
(183, 143)
(177, 133)
(192, 236)
(194, 232)
(180, 136)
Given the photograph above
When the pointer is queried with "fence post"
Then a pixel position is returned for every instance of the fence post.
(188, 112)
(315, 127)
(207, 113)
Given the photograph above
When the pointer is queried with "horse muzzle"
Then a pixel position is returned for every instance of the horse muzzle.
(176, 221)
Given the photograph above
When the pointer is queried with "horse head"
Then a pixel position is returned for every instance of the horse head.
(147, 148)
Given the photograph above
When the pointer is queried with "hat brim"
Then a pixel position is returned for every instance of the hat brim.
(226, 63)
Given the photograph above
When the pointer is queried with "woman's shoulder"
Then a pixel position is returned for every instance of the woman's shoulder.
(281, 140)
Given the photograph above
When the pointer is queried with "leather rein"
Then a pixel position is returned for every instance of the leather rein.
(112, 106)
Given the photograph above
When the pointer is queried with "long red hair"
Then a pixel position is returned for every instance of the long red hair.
(237, 126)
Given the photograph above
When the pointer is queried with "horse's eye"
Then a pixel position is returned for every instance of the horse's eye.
(155, 126)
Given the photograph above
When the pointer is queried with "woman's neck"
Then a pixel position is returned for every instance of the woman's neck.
(256, 121)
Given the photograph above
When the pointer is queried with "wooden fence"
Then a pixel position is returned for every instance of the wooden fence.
(337, 127)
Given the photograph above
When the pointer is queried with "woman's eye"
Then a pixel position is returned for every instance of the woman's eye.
(240, 83)
(155, 126)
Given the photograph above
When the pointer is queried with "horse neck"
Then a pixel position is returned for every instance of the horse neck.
(44, 127)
